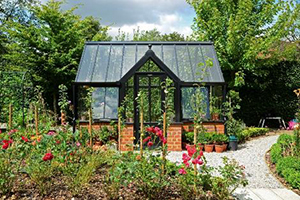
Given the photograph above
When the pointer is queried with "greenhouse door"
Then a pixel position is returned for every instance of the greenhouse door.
(150, 84)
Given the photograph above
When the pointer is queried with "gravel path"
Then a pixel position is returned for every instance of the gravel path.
(252, 156)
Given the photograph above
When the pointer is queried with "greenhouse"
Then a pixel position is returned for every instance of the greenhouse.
(119, 70)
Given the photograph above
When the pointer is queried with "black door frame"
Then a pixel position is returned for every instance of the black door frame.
(137, 76)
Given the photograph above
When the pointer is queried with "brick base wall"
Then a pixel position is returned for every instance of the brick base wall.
(174, 137)
(127, 138)
(210, 127)
(174, 133)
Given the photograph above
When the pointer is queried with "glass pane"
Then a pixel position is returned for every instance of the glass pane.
(115, 63)
(111, 103)
(143, 81)
(149, 66)
(87, 63)
(157, 49)
(99, 103)
(155, 101)
(186, 70)
(100, 71)
(105, 105)
(207, 54)
(146, 104)
(141, 50)
(187, 95)
(169, 58)
(129, 58)
(197, 61)
(155, 81)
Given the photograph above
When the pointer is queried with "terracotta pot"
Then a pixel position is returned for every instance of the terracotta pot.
(201, 146)
(225, 147)
(215, 116)
(219, 148)
(130, 120)
(209, 147)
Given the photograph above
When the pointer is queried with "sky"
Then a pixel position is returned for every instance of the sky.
(165, 15)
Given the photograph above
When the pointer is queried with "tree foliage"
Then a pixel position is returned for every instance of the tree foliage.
(243, 29)
(50, 45)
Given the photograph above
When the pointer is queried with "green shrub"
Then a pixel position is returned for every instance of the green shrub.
(251, 132)
(276, 153)
(188, 137)
(285, 142)
(292, 176)
(288, 162)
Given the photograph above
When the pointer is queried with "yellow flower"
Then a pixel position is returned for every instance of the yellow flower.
(297, 92)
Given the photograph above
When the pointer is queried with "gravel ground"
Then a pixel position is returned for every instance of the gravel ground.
(251, 155)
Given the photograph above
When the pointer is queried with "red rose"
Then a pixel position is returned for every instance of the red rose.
(164, 140)
(5, 146)
(146, 139)
(57, 142)
(150, 129)
(10, 141)
(48, 156)
(24, 139)
(150, 144)
(156, 129)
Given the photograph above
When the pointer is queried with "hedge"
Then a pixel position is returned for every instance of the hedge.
(251, 132)
(288, 167)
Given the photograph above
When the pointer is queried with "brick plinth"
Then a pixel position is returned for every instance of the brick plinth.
(209, 126)
(174, 137)
(127, 138)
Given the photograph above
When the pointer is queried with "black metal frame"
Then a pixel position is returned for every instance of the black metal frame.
(149, 55)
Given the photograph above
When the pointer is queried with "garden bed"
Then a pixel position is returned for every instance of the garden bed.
(272, 168)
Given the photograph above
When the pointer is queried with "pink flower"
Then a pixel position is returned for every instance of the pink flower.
(185, 157)
(181, 171)
(78, 144)
(191, 150)
(200, 155)
(150, 144)
(51, 133)
(186, 163)
(159, 133)
(197, 161)
(12, 131)
(10, 141)
(164, 140)
(146, 139)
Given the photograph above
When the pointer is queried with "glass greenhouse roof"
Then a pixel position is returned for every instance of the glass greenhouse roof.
(103, 62)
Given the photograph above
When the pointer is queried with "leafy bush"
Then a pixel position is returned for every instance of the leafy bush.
(285, 142)
(289, 168)
(276, 153)
(188, 137)
(251, 132)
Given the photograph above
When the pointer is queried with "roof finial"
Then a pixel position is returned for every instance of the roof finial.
(149, 45)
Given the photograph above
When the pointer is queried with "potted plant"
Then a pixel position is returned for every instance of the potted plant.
(201, 141)
(218, 143)
(215, 109)
(233, 127)
(208, 142)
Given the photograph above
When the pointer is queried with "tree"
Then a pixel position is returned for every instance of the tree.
(50, 45)
(151, 35)
(243, 29)
(12, 10)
